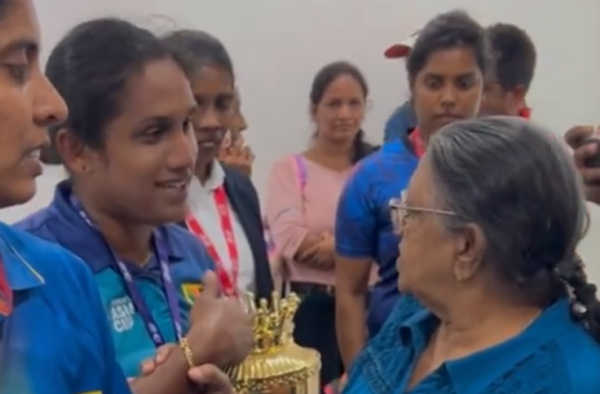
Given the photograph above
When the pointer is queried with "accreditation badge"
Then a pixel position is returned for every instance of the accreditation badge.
(191, 291)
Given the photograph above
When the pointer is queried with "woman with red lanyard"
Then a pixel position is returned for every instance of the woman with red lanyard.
(223, 207)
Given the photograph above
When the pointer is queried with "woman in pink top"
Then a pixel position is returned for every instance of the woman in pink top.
(302, 196)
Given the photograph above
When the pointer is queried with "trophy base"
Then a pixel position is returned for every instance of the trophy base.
(310, 386)
(303, 388)
(290, 370)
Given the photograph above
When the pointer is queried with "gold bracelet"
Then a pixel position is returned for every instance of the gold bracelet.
(187, 351)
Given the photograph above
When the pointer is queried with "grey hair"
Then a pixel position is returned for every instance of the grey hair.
(518, 183)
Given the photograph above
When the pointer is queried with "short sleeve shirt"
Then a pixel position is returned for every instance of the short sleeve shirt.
(56, 340)
(363, 223)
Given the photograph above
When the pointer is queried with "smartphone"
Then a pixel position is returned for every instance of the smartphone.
(593, 162)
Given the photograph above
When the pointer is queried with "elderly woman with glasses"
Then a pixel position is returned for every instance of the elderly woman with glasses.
(495, 300)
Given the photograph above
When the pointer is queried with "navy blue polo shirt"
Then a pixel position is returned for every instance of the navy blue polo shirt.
(62, 224)
(554, 355)
(56, 340)
(364, 227)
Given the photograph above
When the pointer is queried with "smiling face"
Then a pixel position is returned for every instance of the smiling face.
(341, 110)
(145, 164)
(28, 103)
(214, 93)
(448, 88)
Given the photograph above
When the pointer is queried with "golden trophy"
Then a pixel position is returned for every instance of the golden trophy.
(276, 365)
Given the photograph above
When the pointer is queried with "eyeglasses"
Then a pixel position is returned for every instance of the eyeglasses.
(399, 212)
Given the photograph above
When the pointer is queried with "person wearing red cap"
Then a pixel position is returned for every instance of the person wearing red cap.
(404, 119)
(515, 59)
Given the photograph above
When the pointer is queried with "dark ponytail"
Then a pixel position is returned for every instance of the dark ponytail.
(362, 148)
(321, 82)
(585, 307)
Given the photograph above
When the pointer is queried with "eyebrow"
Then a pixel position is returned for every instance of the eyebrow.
(231, 95)
(463, 75)
(20, 44)
(164, 119)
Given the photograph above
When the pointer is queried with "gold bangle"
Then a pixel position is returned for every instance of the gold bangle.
(187, 351)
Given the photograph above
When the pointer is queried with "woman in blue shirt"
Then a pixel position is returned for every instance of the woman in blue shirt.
(489, 225)
(446, 70)
(128, 147)
(54, 337)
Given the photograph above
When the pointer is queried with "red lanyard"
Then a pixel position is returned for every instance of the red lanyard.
(6, 294)
(417, 143)
(228, 282)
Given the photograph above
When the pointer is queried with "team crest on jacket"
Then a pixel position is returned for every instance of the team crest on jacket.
(191, 291)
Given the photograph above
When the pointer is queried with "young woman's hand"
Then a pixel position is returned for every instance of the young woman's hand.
(220, 327)
(210, 379)
(582, 153)
(148, 366)
(239, 157)
(321, 253)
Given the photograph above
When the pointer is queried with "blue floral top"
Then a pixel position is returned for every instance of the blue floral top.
(554, 355)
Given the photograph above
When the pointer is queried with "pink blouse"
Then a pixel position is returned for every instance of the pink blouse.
(294, 209)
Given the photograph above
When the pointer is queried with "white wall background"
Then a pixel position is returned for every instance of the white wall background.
(278, 45)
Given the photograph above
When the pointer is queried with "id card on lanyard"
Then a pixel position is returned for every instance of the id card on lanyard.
(160, 249)
(227, 281)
